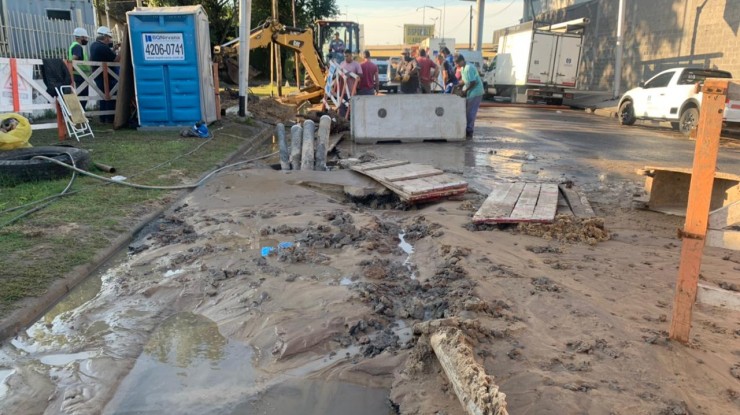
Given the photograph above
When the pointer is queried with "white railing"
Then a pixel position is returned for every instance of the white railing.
(31, 36)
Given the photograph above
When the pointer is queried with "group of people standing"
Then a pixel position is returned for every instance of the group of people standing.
(102, 50)
(417, 75)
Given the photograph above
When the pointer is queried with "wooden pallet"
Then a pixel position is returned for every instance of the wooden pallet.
(413, 182)
(531, 203)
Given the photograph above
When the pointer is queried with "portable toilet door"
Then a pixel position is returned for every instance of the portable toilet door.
(173, 75)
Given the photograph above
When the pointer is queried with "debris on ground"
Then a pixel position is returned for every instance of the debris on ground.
(568, 229)
(271, 111)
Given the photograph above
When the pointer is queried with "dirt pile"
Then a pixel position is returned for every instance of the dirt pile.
(568, 229)
(272, 111)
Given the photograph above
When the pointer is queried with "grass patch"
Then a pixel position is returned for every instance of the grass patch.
(45, 245)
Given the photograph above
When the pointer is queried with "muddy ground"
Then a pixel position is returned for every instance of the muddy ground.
(196, 320)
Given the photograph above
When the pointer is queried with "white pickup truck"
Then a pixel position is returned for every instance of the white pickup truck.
(673, 96)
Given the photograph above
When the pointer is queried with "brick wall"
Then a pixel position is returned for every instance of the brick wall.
(658, 34)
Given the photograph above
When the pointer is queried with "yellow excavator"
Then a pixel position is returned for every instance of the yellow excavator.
(293, 38)
(300, 40)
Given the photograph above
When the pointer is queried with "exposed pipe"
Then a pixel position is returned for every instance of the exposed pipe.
(245, 16)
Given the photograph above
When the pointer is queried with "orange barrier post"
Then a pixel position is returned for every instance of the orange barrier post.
(61, 126)
(217, 91)
(14, 85)
(697, 215)
(105, 82)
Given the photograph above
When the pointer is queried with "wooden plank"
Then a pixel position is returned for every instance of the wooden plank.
(697, 215)
(379, 164)
(432, 183)
(547, 205)
(650, 171)
(125, 98)
(499, 205)
(476, 391)
(724, 217)
(718, 297)
(524, 208)
(405, 172)
(727, 239)
(578, 204)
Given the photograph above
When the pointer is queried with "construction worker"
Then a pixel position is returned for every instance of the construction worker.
(369, 81)
(473, 91)
(101, 51)
(428, 71)
(349, 67)
(78, 52)
(449, 65)
(408, 71)
(336, 48)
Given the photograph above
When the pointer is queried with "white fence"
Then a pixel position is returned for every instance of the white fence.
(31, 36)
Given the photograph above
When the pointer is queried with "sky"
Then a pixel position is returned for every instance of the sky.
(383, 20)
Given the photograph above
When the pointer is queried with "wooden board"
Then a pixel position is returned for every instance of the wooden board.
(650, 171)
(519, 202)
(578, 203)
(412, 182)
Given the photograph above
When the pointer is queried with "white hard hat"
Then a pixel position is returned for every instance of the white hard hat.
(103, 30)
(80, 32)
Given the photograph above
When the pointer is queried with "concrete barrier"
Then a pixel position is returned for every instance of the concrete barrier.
(407, 118)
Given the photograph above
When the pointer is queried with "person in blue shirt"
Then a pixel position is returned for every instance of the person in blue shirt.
(101, 51)
(473, 91)
(449, 66)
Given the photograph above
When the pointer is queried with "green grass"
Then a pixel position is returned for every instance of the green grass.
(39, 248)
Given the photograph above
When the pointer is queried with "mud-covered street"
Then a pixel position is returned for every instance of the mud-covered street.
(265, 292)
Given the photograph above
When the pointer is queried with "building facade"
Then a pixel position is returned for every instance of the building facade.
(658, 34)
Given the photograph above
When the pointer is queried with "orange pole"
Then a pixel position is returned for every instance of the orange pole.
(14, 85)
(61, 126)
(697, 213)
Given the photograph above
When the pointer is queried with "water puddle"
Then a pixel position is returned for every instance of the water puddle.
(65, 359)
(315, 397)
(4, 375)
(408, 249)
(187, 367)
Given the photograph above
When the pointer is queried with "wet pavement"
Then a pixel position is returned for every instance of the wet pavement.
(186, 359)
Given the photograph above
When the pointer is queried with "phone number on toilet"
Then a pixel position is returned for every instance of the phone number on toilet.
(163, 47)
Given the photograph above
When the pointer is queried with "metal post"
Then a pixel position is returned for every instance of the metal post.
(444, 14)
(245, 15)
(470, 30)
(618, 58)
(479, 31)
(278, 60)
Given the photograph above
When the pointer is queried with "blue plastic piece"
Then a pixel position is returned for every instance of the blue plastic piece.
(284, 245)
(267, 250)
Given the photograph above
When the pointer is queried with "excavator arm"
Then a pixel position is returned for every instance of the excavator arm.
(296, 39)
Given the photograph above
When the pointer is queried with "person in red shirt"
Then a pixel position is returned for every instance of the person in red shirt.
(369, 82)
(428, 71)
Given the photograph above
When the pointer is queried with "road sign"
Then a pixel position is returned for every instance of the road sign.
(415, 33)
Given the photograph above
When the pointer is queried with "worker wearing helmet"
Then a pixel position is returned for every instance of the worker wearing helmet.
(78, 52)
(102, 51)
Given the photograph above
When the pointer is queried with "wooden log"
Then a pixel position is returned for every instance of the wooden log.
(322, 147)
(296, 146)
(283, 144)
(476, 391)
(697, 214)
(307, 156)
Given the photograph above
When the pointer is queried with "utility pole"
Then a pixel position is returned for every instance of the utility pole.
(296, 58)
(245, 16)
(618, 58)
(470, 30)
(479, 30)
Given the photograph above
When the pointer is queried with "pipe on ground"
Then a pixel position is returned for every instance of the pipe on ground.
(307, 158)
(284, 150)
(296, 144)
(323, 143)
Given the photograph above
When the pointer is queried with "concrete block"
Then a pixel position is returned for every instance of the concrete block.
(407, 118)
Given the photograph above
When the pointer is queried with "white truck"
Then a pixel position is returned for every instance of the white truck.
(536, 64)
(674, 96)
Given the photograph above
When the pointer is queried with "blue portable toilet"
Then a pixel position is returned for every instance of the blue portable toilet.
(173, 78)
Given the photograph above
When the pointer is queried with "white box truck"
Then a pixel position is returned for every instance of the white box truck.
(536, 64)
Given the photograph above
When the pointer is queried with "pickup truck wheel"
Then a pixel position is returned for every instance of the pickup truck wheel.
(688, 121)
(627, 113)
